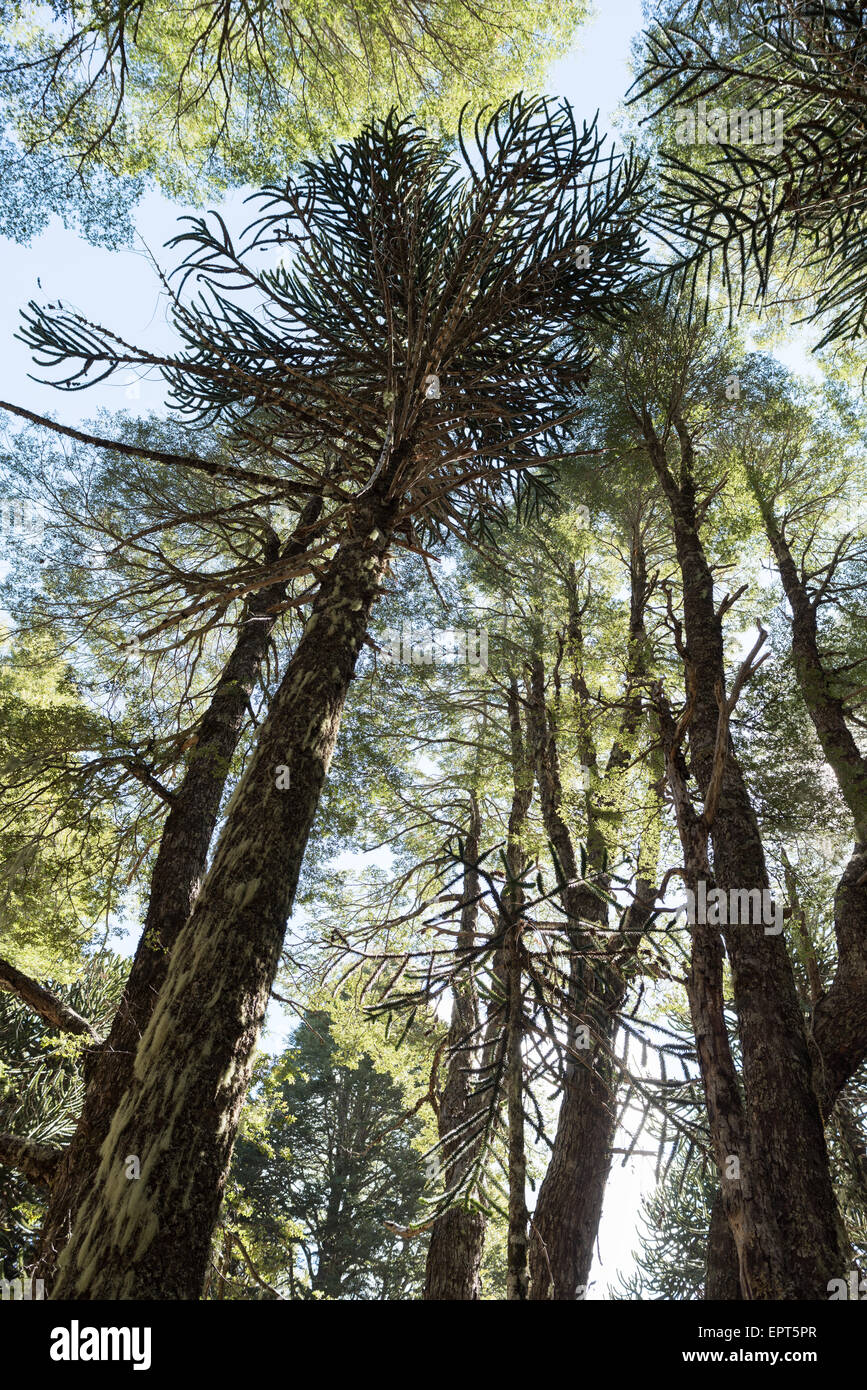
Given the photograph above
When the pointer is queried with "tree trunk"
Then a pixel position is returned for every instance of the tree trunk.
(840, 1017)
(150, 1238)
(43, 1002)
(756, 1243)
(517, 1269)
(180, 865)
(722, 1279)
(785, 1157)
(457, 1240)
(569, 1205)
(566, 1216)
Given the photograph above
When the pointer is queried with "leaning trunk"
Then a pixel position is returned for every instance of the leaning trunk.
(150, 1237)
(178, 872)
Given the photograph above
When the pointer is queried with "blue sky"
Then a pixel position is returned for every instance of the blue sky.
(120, 289)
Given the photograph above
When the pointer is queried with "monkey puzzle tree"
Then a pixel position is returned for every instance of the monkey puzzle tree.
(41, 1086)
(431, 326)
(750, 213)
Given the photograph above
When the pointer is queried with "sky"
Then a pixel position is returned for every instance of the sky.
(120, 289)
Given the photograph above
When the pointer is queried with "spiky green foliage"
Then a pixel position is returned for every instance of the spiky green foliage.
(770, 214)
(41, 1085)
(429, 321)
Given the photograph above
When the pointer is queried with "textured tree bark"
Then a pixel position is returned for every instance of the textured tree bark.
(38, 1162)
(785, 1160)
(722, 1279)
(178, 871)
(457, 1240)
(150, 1238)
(43, 1002)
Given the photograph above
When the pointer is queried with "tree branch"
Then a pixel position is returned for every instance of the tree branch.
(41, 1000)
(37, 1162)
(214, 470)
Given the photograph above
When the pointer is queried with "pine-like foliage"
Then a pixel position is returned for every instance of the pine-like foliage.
(748, 213)
(427, 324)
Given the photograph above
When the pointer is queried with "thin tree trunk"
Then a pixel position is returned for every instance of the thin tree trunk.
(757, 1243)
(150, 1238)
(840, 1016)
(569, 1205)
(511, 978)
(327, 1278)
(43, 1002)
(825, 707)
(517, 1268)
(457, 1240)
(566, 1213)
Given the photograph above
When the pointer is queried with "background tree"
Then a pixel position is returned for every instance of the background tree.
(335, 1163)
(783, 216)
(232, 91)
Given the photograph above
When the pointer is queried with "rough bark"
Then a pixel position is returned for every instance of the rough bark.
(177, 876)
(43, 1002)
(722, 1279)
(38, 1162)
(786, 1160)
(150, 1238)
(457, 1240)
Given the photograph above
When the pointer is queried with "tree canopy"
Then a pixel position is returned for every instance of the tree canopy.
(432, 748)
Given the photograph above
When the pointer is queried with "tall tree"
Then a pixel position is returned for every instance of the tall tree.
(428, 252)
(62, 596)
(764, 190)
(328, 1173)
(790, 1249)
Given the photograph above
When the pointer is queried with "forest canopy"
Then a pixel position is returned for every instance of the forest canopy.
(433, 775)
